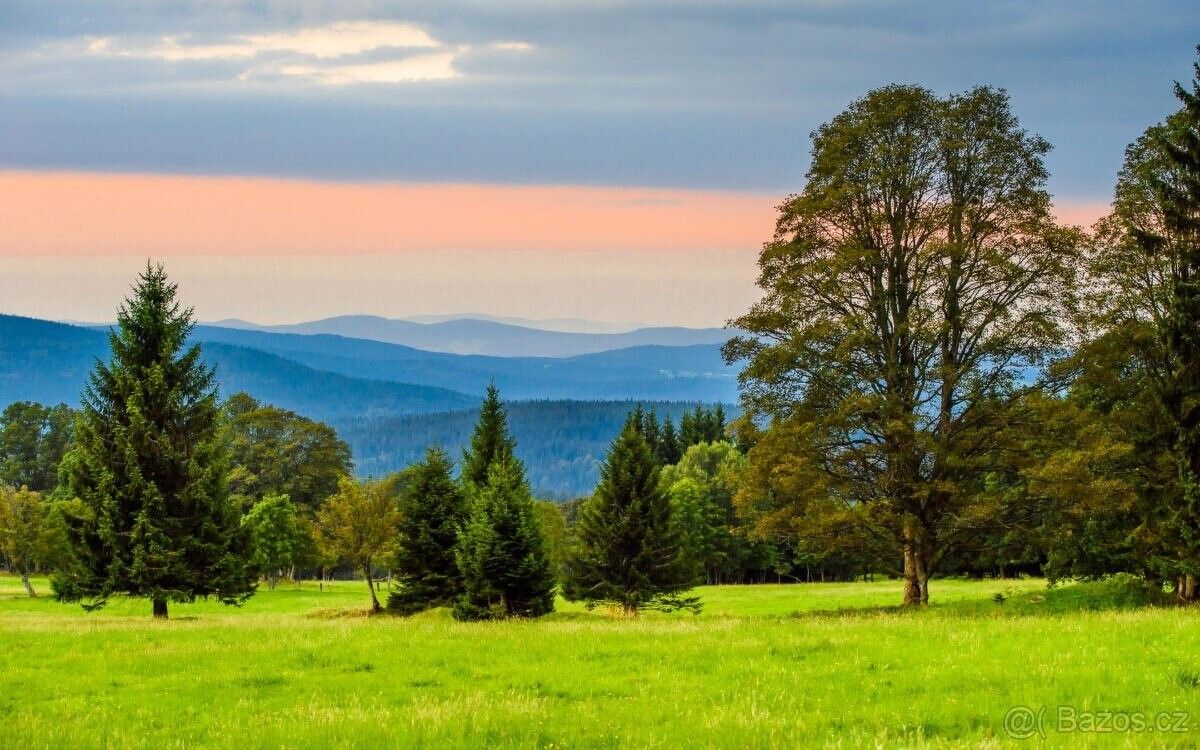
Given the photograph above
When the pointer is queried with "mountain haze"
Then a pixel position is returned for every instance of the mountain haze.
(492, 337)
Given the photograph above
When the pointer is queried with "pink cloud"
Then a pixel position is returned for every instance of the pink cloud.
(99, 214)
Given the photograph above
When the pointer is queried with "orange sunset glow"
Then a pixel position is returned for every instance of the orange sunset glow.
(70, 213)
(98, 214)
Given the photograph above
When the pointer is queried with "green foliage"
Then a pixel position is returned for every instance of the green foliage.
(628, 552)
(701, 487)
(909, 289)
(501, 552)
(277, 539)
(33, 440)
(490, 442)
(552, 518)
(25, 538)
(701, 426)
(432, 510)
(278, 452)
(1169, 232)
(561, 443)
(149, 465)
(358, 524)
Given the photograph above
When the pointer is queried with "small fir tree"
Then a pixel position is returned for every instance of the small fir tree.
(432, 510)
(501, 551)
(629, 553)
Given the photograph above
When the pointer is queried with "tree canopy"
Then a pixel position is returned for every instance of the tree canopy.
(33, 440)
(277, 452)
(910, 290)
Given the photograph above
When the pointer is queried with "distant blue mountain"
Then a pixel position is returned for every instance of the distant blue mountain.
(391, 401)
(50, 362)
(492, 337)
(325, 376)
(659, 373)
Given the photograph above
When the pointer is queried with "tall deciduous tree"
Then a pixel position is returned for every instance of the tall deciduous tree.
(358, 524)
(432, 510)
(150, 466)
(1148, 271)
(909, 290)
(278, 452)
(501, 552)
(33, 440)
(629, 553)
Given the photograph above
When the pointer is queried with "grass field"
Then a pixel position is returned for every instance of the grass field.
(817, 665)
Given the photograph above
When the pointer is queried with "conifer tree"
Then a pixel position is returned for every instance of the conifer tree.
(489, 443)
(501, 551)
(628, 553)
(432, 509)
(1174, 241)
(669, 451)
(650, 429)
(150, 467)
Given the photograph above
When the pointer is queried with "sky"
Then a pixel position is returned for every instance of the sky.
(609, 160)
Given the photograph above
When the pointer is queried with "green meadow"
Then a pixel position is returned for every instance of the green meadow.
(815, 665)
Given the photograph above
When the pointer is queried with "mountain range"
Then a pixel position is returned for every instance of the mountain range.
(495, 337)
(374, 390)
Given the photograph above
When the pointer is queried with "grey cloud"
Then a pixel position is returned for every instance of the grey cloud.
(708, 94)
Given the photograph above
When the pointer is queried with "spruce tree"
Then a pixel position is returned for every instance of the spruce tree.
(1176, 194)
(432, 509)
(501, 552)
(150, 466)
(628, 552)
(650, 430)
(668, 444)
(489, 443)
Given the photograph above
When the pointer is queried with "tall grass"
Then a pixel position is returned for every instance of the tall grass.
(811, 665)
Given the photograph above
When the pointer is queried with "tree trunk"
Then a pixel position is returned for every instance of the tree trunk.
(375, 607)
(28, 586)
(629, 609)
(917, 553)
(1185, 588)
(160, 609)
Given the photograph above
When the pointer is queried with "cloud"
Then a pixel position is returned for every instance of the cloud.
(512, 46)
(322, 42)
(700, 93)
(435, 67)
(326, 55)
(63, 213)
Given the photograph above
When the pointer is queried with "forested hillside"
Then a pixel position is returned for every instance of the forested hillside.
(561, 442)
(389, 402)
